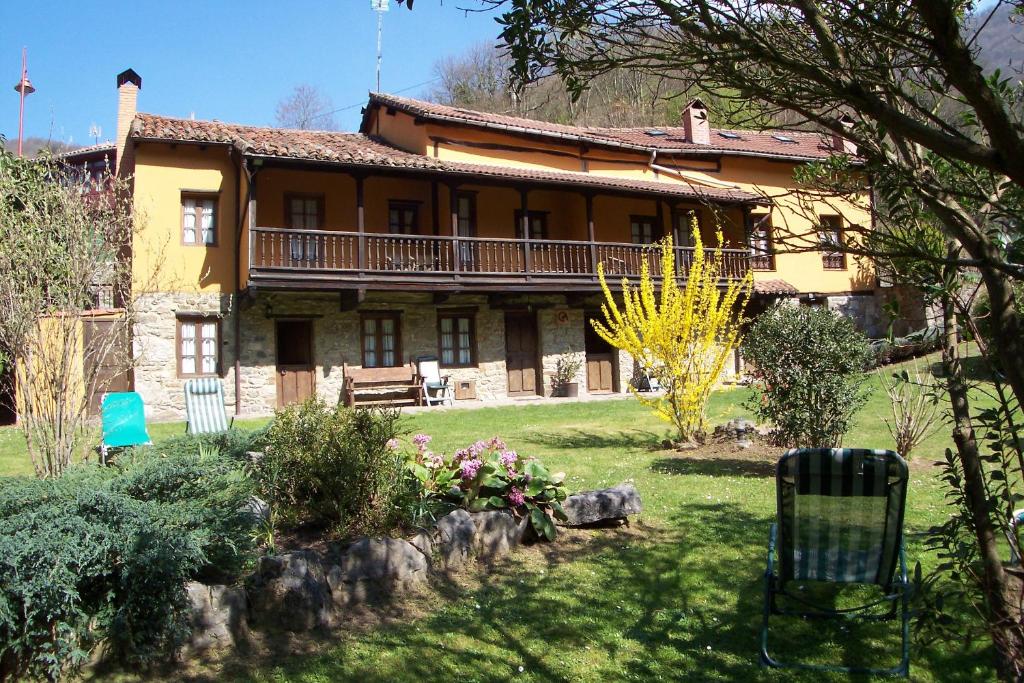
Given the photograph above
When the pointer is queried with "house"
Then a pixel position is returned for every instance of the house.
(279, 260)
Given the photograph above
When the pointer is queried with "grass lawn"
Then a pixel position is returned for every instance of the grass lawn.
(676, 597)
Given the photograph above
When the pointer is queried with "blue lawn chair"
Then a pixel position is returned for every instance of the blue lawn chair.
(204, 406)
(840, 521)
(124, 422)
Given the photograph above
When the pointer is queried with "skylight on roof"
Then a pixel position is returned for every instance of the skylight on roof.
(783, 138)
(654, 132)
(729, 134)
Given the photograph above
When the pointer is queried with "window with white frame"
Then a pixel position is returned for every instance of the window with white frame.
(456, 339)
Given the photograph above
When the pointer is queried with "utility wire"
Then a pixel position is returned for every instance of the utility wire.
(359, 104)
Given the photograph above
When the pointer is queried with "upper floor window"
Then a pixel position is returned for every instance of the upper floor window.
(762, 255)
(538, 222)
(403, 218)
(643, 230)
(304, 212)
(465, 214)
(199, 219)
(830, 239)
(198, 347)
(683, 223)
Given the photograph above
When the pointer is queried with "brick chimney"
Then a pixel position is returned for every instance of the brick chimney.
(695, 123)
(841, 143)
(129, 84)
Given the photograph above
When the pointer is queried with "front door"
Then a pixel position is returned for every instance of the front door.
(109, 362)
(521, 353)
(600, 362)
(295, 368)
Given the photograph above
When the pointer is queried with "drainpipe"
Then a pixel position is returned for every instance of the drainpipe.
(242, 217)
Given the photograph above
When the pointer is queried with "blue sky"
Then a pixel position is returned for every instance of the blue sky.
(231, 60)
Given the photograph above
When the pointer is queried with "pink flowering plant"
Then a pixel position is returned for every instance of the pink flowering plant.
(487, 475)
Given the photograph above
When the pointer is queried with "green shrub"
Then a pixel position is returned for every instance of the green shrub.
(333, 466)
(809, 373)
(102, 554)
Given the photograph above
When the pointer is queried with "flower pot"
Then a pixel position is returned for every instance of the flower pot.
(571, 389)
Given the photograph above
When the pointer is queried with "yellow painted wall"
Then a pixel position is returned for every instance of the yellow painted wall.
(160, 261)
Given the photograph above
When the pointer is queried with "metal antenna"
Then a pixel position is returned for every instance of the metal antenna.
(380, 7)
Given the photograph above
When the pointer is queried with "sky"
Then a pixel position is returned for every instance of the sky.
(231, 60)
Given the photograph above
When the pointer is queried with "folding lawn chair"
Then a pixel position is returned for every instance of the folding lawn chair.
(124, 422)
(435, 388)
(204, 406)
(840, 521)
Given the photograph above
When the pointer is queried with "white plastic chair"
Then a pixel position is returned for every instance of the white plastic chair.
(436, 389)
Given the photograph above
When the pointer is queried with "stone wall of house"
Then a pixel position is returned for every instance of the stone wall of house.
(561, 336)
(868, 311)
(155, 353)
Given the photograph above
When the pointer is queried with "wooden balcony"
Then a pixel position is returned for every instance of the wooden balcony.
(329, 259)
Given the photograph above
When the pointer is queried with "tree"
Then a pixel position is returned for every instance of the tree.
(681, 335)
(936, 138)
(306, 108)
(59, 242)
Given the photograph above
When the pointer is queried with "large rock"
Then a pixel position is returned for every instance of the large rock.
(218, 616)
(290, 592)
(456, 533)
(593, 507)
(498, 533)
(376, 567)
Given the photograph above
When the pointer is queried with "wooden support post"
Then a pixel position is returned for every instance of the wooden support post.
(590, 233)
(453, 207)
(252, 218)
(361, 223)
(525, 208)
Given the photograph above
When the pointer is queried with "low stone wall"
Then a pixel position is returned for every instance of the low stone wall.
(303, 590)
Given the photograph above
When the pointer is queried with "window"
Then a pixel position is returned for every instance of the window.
(465, 208)
(683, 223)
(304, 212)
(198, 346)
(381, 340)
(830, 237)
(403, 218)
(642, 228)
(456, 339)
(538, 224)
(199, 219)
(762, 255)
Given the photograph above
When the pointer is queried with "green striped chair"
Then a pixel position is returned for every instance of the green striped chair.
(840, 521)
(204, 406)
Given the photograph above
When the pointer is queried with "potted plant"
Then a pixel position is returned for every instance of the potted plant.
(563, 381)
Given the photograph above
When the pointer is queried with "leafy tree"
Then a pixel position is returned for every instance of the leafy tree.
(682, 335)
(809, 364)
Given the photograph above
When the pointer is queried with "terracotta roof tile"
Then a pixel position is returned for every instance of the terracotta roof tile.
(774, 287)
(364, 150)
(790, 145)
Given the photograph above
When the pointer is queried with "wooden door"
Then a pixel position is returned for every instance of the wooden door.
(521, 353)
(600, 360)
(295, 367)
(109, 362)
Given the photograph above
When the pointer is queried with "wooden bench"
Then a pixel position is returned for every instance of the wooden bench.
(398, 386)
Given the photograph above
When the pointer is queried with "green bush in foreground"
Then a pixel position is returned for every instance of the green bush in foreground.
(331, 466)
(101, 555)
(809, 373)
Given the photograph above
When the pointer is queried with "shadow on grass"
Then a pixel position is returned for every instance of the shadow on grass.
(682, 603)
(577, 438)
(714, 466)
(976, 369)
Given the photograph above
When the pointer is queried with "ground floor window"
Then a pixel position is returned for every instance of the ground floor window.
(381, 340)
(198, 345)
(457, 339)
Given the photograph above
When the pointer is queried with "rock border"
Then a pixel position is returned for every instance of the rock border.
(302, 590)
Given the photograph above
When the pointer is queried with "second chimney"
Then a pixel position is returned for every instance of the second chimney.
(841, 143)
(129, 84)
(695, 123)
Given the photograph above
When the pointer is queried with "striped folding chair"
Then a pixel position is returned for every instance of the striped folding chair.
(840, 521)
(204, 406)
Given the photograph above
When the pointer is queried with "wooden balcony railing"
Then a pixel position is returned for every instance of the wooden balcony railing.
(276, 253)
